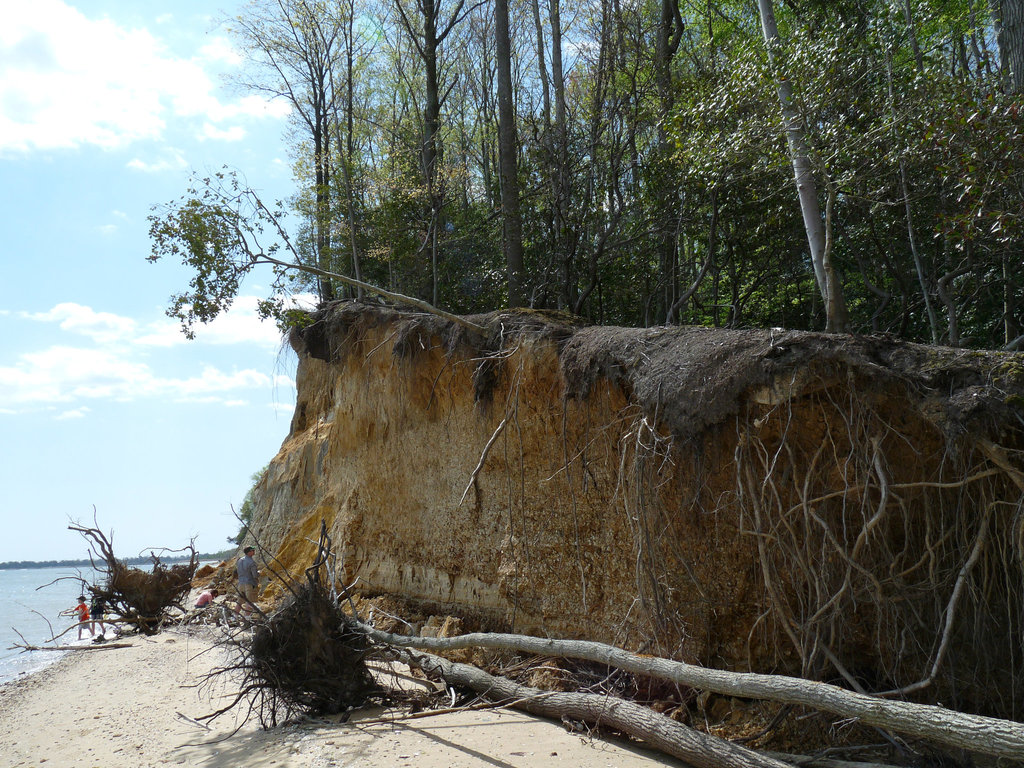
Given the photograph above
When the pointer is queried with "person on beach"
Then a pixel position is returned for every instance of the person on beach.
(98, 609)
(82, 612)
(205, 598)
(248, 581)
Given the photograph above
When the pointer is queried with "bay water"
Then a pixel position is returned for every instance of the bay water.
(30, 601)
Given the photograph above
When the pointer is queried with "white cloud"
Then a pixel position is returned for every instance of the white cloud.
(221, 49)
(173, 159)
(117, 367)
(106, 229)
(77, 413)
(102, 327)
(232, 133)
(120, 85)
(62, 374)
(240, 325)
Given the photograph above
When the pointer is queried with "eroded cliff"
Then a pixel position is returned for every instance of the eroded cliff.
(841, 507)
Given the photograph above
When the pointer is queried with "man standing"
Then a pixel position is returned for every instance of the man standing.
(248, 579)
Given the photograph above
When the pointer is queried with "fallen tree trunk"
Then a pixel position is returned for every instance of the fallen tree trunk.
(986, 735)
(699, 749)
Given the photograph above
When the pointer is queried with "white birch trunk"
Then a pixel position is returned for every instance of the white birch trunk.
(806, 187)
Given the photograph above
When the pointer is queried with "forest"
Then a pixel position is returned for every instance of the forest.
(841, 165)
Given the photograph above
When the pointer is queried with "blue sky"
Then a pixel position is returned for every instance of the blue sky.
(105, 109)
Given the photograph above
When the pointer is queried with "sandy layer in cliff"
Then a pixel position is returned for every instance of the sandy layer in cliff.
(128, 708)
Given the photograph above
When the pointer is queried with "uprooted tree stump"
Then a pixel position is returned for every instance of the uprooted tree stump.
(140, 598)
(308, 657)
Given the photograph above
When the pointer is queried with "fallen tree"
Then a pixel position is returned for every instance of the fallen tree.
(308, 657)
(701, 750)
(985, 735)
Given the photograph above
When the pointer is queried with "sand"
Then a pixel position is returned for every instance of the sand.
(128, 707)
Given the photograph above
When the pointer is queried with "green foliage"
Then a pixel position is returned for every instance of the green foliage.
(668, 196)
(221, 230)
(245, 512)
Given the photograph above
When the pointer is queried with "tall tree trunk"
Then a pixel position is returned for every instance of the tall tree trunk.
(1010, 36)
(908, 17)
(512, 224)
(1011, 330)
(933, 322)
(431, 127)
(542, 69)
(667, 36)
(560, 159)
(321, 212)
(349, 155)
(807, 190)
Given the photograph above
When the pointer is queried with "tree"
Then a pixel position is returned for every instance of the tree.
(1009, 23)
(296, 44)
(513, 225)
(222, 230)
(428, 34)
(819, 230)
(640, 158)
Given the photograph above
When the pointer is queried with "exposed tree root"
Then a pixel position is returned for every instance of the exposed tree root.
(318, 665)
(139, 598)
(308, 657)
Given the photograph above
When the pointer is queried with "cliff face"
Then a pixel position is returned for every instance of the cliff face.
(776, 500)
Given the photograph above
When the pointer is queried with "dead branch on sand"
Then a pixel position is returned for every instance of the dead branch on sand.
(97, 647)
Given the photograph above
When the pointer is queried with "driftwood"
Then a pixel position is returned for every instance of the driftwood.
(701, 750)
(986, 735)
(97, 647)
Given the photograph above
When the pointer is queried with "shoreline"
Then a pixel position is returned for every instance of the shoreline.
(132, 706)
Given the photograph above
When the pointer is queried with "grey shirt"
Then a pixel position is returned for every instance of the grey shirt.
(247, 571)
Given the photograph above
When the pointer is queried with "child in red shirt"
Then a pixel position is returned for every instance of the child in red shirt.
(82, 610)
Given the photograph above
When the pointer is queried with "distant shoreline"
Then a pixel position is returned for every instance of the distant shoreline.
(147, 560)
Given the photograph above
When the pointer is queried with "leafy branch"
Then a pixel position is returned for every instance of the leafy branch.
(222, 230)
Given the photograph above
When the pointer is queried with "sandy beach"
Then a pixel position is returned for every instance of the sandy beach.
(129, 707)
